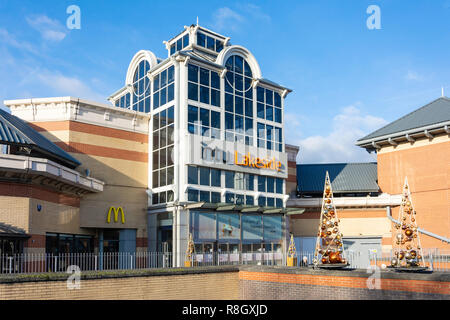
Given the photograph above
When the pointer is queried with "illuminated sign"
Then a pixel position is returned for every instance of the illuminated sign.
(116, 214)
(256, 162)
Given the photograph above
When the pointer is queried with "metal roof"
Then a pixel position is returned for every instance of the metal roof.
(435, 112)
(344, 177)
(15, 131)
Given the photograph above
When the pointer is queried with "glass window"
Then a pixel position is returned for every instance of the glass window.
(192, 195)
(205, 196)
(229, 197)
(204, 77)
(270, 184)
(215, 197)
(192, 175)
(250, 200)
(249, 184)
(204, 94)
(262, 183)
(229, 179)
(229, 121)
(192, 91)
(192, 73)
(279, 203)
(215, 178)
(201, 39)
(185, 40)
(215, 119)
(204, 176)
(204, 117)
(279, 183)
(261, 201)
(238, 84)
(215, 80)
(192, 114)
(239, 181)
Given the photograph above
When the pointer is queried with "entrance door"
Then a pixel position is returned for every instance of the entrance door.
(357, 250)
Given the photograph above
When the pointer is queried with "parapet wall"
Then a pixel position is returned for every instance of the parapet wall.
(230, 283)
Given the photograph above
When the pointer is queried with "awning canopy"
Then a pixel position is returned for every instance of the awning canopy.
(243, 208)
(9, 231)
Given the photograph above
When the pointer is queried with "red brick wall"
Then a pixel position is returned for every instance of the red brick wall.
(36, 192)
(328, 284)
(428, 170)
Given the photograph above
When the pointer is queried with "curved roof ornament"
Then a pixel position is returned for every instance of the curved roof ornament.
(138, 57)
(244, 53)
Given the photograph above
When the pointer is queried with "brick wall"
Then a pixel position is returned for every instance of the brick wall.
(307, 284)
(163, 286)
(231, 283)
(427, 166)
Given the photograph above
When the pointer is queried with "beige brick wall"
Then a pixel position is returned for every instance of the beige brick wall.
(205, 286)
(15, 211)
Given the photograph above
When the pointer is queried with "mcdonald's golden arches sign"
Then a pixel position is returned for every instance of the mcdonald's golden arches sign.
(116, 214)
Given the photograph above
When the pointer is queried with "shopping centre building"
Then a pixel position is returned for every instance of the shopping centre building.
(192, 144)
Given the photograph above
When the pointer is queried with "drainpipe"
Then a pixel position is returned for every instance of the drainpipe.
(428, 233)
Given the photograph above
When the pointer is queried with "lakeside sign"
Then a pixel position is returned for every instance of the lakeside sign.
(226, 155)
(255, 162)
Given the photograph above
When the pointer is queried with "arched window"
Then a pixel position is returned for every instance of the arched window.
(239, 75)
(141, 88)
(238, 101)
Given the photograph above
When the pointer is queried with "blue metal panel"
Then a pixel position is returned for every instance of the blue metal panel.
(345, 177)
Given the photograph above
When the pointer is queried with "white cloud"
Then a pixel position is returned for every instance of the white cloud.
(9, 39)
(229, 19)
(413, 76)
(338, 145)
(256, 12)
(225, 18)
(61, 85)
(49, 29)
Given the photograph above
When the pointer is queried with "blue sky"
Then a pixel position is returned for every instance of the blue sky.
(348, 80)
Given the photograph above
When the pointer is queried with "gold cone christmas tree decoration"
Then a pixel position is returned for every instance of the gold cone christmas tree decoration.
(407, 249)
(291, 258)
(189, 252)
(329, 249)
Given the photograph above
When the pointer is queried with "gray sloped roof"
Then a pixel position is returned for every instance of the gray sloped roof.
(344, 177)
(14, 130)
(435, 112)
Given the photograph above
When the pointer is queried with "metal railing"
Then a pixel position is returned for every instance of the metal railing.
(435, 260)
(46, 262)
(306, 259)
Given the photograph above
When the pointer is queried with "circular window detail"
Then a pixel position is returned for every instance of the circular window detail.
(239, 75)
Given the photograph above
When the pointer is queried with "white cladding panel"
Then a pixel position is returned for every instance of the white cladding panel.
(222, 154)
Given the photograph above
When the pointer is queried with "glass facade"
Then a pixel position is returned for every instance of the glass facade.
(238, 101)
(208, 42)
(258, 231)
(163, 146)
(57, 243)
(180, 44)
(233, 182)
(163, 87)
(141, 88)
(203, 85)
